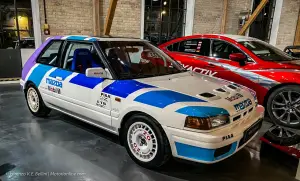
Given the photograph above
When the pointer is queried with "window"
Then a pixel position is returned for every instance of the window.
(164, 20)
(195, 46)
(266, 51)
(221, 49)
(132, 60)
(50, 55)
(79, 56)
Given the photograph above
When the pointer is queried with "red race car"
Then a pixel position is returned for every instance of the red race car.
(271, 73)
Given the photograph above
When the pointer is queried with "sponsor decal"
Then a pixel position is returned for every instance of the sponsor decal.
(227, 137)
(54, 89)
(199, 70)
(243, 105)
(54, 82)
(234, 97)
(103, 101)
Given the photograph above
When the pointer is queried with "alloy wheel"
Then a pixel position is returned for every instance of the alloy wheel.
(33, 100)
(142, 141)
(286, 107)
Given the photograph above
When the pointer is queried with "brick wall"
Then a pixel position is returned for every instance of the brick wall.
(75, 17)
(208, 15)
(68, 16)
(127, 19)
(206, 18)
(234, 9)
(287, 23)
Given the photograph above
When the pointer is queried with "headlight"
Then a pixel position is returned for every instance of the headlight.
(206, 123)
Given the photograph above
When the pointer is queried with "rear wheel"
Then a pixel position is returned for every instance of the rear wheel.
(35, 102)
(146, 142)
(283, 106)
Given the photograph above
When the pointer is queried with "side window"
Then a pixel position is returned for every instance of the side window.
(173, 47)
(195, 46)
(78, 56)
(50, 55)
(221, 49)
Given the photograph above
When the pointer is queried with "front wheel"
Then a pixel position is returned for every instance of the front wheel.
(146, 142)
(278, 135)
(283, 106)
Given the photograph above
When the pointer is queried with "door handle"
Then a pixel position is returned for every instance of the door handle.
(58, 78)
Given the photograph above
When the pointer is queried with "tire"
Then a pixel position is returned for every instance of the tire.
(35, 102)
(142, 134)
(285, 138)
(284, 100)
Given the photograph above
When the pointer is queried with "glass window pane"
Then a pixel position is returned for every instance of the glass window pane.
(164, 20)
(49, 56)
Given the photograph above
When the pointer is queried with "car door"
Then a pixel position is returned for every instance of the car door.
(229, 69)
(192, 55)
(79, 93)
(47, 62)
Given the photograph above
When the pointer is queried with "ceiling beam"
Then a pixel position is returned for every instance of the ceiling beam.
(96, 17)
(224, 17)
(251, 19)
(110, 16)
(297, 34)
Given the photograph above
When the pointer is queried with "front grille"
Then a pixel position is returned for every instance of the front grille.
(251, 109)
(236, 117)
(222, 150)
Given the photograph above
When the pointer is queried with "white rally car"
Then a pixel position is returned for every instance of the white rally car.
(133, 89)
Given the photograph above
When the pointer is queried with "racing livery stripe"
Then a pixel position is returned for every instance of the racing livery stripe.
(38, 74)
(202, 111)
(163, 98)
(88, 82)
(60, 73)
(124, 88)
(76, 37)
(201, 154)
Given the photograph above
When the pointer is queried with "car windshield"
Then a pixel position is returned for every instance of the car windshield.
(138, 59)
(266, 51)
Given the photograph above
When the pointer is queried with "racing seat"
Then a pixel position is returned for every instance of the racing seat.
(82, 60)
(114, 57)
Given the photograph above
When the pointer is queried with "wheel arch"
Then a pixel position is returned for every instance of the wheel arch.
(126, 118)
(26, 84)
(275, 88)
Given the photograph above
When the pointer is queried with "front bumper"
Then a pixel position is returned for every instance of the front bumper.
(214, 146)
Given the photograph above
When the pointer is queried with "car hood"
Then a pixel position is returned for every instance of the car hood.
(212, 91)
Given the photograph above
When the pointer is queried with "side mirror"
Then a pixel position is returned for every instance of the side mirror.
(238, 57)
(96, 72)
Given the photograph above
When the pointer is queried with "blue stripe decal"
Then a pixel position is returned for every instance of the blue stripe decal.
(88, 82)
(123, 88)
(163, 98)
(202, 111)
(60, 73)
(201, 154)
(76, 37)
(38, 73)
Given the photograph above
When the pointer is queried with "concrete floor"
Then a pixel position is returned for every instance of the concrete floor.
(31, 148)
